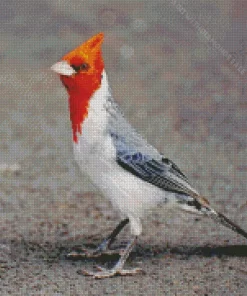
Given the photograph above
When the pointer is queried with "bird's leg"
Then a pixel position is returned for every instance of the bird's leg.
(103, 247)
(117, 269)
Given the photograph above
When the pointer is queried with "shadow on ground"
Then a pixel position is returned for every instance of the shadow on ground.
(24, 250)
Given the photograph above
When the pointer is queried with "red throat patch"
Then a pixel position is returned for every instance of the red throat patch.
(88, 63)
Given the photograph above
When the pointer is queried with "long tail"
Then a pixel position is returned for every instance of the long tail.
(218, 217)
(201, 205)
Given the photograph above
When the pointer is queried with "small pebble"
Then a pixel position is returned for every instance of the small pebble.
(10, 168)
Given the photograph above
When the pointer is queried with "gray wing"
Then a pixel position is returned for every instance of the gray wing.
(160, 172)
(141, 159)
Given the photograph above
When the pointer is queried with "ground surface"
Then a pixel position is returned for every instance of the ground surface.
(176, 86)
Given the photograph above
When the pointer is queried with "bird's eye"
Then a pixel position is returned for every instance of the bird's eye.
(82, 67)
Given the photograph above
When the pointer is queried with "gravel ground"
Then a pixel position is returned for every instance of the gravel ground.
(178, 89)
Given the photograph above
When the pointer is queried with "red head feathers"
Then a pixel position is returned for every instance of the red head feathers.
(81, 72)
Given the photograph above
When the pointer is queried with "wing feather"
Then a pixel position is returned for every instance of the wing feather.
(163, 174)
(135, 155)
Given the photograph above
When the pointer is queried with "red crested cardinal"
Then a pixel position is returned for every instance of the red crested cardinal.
(124, 167)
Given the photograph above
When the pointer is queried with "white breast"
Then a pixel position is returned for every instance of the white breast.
(95, 147)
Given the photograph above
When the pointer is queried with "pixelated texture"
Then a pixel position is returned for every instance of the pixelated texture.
(178, 69)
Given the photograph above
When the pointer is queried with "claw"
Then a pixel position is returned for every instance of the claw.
(106, 273)
(115, 270)
(100, 268)
(85, 253)
(81, 254)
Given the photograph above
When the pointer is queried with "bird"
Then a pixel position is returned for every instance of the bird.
(125, 168)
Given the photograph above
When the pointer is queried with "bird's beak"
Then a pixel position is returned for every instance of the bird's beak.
(63, 68)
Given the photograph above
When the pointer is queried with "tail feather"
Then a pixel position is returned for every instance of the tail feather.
(220, 218)
(201, 205)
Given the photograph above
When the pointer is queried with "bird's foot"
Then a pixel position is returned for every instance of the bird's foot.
(89, 253)
(106, 273)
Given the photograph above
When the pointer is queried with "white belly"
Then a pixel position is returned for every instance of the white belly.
(96, 157)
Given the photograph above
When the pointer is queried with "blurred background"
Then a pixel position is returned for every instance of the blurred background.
(177, 68)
